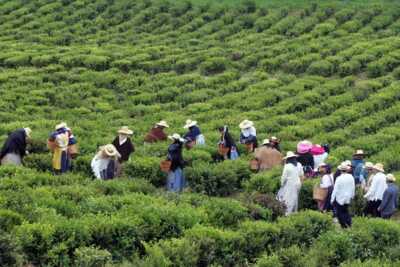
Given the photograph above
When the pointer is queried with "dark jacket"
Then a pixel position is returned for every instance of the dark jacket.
(227, 141)
(194, 131)
(175, 156)
(126, 149)
(15, 143)
(155, 134)
(306, 159)
(110, 172)
(390, 200)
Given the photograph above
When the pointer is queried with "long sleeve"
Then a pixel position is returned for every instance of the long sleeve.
(285, 175)
(335, 189)
(385, 200)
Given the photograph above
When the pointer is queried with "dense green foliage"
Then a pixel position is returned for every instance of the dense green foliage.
(327, 72)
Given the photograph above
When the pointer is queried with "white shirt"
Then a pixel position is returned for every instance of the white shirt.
(99, 164)
(292, 174)
(326, 181)
(318, 159)
(122, 140)
(344, 189)
(249, 131)
(377, 188)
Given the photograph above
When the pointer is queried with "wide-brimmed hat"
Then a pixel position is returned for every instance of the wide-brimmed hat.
(274, 139)
(110, 150)
(189, 123)
(290, 154)
(125, 130)
(390, 177)
(347, 162)
(344, 166)
(304, 146)
(61, 125)
(265, 142)
(379, 167)
(359, 152)
(162, 124)
(177, 137)
(369, 165)
(317, 150)
(28, 132)
(322, 165)
(246, 124)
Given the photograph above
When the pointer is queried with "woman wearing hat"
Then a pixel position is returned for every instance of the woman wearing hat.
(326, 183)
(375, 192)
(267, 156)
(342, 194)
(274, 141)
(319, 155)
(389, 202)
(14, 149)
(176, 180)
(59, 142)
(123, 143)
(157, 133)
(291, 183)
(305, 157)
(248, 134)
(194, 135)
(105, 162)
(357, 164)
(227, 142)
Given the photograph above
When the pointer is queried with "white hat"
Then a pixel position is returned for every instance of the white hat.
(379, 167)
(163, 124)
(265, 142)
(246, 124)
(274, 138)
(189, 123)
(125, 130)
(61, 125)
(290, 154)
(359, 152)
(344, 166)
(176, 136)
(369, 165)
(390, 177)
(323, 164)
(347, 162)
(28, 132)
(110, 151)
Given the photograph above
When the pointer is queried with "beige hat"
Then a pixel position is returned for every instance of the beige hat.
(379, 167)
(189, 123)
(61, 125)
(176, 136)
(162, 124)
(274, 139)
(359, 152)
(323, 164)
(390, 177)
(344, 166)
(28, 132)
(290, 154)
(110, 150)
(369, 165)
(246, 124)
(125, 130)
(265, 142)
(347, 162)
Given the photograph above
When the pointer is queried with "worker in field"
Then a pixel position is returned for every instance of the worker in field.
(105, 162)
(375, 192)
(157, 133)
(124, 146)
(176, 180)
(226, 146)
(319, 155)
(14, 148)
(248, 135)
(305, 157)
(275, 143)
(342, 194)
(193, 136)
(390, 198)
(358, 165)
(63, 144)
(267, 156)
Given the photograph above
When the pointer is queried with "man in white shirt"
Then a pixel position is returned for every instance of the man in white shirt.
(375, 192)
(343, 193)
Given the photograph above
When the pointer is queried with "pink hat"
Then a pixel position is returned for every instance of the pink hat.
(317, 150)
(304, 147)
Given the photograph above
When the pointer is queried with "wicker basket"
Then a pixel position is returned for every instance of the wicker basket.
(73, 150)
(254, 165)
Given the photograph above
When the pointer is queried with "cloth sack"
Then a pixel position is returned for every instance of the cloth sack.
(319, 193)
(254, 165)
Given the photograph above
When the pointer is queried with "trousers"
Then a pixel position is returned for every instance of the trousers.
(343, 215)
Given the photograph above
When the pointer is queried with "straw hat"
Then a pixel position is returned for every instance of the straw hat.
(162, 124)
(275, 139)
(246, 124)
(369, 165)
(322, 165)
(176, 136)
(125, 130)
(390, 177)
(379, 167)
(28, 132)
(347, 162)
(189, 123)
(61, 125)
(359, 152)
(265, 142)
(110, 150)
(290, 154)
(344, 166)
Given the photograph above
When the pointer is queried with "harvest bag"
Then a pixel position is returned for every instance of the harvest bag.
(320, 193)
(223, 150)
(254, 165)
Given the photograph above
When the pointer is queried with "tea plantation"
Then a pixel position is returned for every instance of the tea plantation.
(327, 72)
